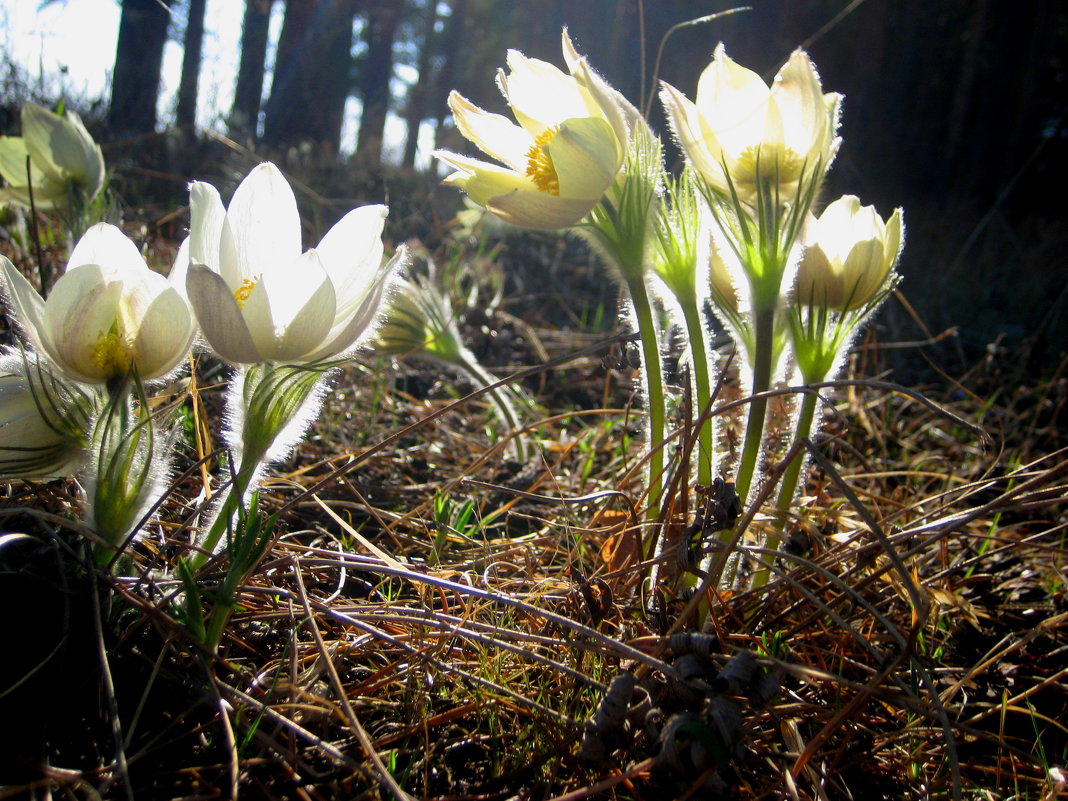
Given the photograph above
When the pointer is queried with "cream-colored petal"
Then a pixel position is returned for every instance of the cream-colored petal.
(731, 95)
(13, 155)
(609, 103)
(699, 145)
(494, 134)
(540, 210)
(481, 180)
(93, 180)
(39, 128)
(798, 95)
(219, 316)
(585, 155)
(107, 246)
(165, 334)
(541, 96)
(62, 142)
(895, 236)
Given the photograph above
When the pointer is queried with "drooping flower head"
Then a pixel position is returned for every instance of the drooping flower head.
(63, 159)
(572, 136)
(259, 297)
(107, 315)
(44, 420)
(742, 132)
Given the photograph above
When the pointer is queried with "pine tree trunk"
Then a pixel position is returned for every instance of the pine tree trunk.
(138, 62)
(186, 111)
(248, 94)
(381, 30)
(311, 74)
(418, 92)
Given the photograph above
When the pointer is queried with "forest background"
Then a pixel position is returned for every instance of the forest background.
(955, 110)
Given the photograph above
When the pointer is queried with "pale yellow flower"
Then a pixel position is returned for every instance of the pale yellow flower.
(849, 255)
(566, 150)
(742, 132)
(63, 159)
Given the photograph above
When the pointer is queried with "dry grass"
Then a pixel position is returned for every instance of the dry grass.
(434, 621)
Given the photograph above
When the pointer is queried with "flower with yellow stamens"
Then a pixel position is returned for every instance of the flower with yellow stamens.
(259, 297)
(745, 135)
(109, 313)
(568, 146)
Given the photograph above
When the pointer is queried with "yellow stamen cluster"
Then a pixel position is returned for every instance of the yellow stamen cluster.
(111, 353)
(768, 163)
(540, 167)
(243, 291)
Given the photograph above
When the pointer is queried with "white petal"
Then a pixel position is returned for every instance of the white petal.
(207, 214)
(165, 334)
(262, 222)
(219, 316)
(360, 323)
(109, 247)
(292, 308)
(83, 306)
(351, 254)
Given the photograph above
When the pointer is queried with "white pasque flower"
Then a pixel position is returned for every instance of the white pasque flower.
(572, 135)
(742, 132)
(849, 254)
(258, 297)
(63, 157)
(108, 314)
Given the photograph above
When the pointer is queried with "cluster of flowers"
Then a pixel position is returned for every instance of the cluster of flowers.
(737, 230)
(74, 396)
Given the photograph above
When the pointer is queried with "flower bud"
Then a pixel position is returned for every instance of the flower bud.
(849, 255)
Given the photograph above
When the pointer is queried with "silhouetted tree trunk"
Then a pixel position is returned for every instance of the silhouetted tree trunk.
(248, 94)
(381, 30)
(418, 92)
(138, 60)
(186, 111)
(450, 50)
(311, 74)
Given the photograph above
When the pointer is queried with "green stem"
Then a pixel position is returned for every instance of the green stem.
(695, 331)
(500, 402)
(226, 514)
(654, 391)
(764, 344)
(788, 486)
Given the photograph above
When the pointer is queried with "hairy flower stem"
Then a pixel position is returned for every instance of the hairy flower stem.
(695, 332)
(227, 511)
(764, 339)
(482, 378)
(654, 392)
(788, 486)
